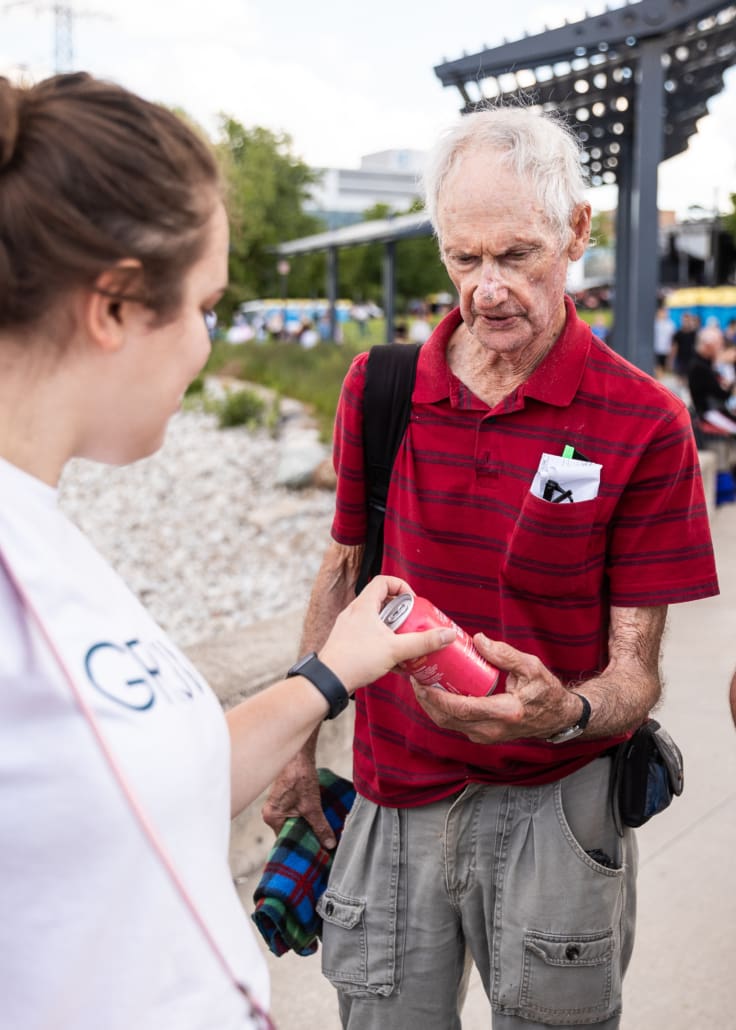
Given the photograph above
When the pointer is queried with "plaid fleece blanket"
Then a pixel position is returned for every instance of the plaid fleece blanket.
(296, 872)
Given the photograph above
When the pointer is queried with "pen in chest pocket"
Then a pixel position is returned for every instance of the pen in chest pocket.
(568, 451)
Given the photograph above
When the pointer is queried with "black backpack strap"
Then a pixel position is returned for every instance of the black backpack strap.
(389, 384)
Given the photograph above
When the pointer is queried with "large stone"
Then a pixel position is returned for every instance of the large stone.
(288, 508)
(300, 457)
(242, 662)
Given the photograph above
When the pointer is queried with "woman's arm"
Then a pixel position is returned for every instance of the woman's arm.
(268, 729)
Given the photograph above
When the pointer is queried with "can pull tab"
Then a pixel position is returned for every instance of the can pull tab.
(395, 613)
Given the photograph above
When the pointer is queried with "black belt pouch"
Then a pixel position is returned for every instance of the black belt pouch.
(647, 773)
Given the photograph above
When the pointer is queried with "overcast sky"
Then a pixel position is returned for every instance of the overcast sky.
(342, 79)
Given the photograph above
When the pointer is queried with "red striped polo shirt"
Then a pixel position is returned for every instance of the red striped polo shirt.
(464, 530)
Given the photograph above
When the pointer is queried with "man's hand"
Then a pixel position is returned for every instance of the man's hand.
(296, 792)
(535, 704)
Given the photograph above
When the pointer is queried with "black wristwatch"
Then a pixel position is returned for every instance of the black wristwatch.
(573, 731)
(324, 680)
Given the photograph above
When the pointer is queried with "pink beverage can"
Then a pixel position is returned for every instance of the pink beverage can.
(459, 667)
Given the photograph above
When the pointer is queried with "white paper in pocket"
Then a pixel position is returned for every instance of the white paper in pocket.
(565, 480)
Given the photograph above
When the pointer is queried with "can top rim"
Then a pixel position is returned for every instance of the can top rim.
(392, 614)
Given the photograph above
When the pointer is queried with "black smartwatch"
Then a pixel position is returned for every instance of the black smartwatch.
(324, 680)
(573, 731)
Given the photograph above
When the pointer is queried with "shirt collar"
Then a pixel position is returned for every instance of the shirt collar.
(554, 381)
(17, 480)
(434, 377)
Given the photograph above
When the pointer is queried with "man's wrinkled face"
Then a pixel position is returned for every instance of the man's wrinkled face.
(505, 259)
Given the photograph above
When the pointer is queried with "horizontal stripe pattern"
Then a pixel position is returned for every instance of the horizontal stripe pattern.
(463, 529)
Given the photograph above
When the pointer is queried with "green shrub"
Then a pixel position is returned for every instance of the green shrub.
(311, 376)
(242, 408)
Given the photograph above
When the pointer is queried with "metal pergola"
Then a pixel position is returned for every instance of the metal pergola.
(388, 231)
(632, 83)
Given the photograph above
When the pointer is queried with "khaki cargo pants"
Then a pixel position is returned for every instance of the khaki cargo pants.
(502, 876)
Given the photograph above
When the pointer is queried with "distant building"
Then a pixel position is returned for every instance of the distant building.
(696, 251)
(342, 195)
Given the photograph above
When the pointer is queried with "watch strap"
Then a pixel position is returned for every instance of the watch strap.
(324, 679)
(575, 730)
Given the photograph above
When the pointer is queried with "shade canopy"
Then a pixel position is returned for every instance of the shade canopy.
(590, 71)
(632, 83)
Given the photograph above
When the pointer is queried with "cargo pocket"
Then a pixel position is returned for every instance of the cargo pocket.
(344, 950)
(560, 968)
(556, 550)
(360, 920)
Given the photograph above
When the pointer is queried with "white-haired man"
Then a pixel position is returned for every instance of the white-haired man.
(482, 827)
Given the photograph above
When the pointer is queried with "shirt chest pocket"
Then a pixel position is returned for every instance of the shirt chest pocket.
(556, 550)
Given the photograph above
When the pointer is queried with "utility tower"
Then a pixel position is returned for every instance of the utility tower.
(64, 17)
(63, 38)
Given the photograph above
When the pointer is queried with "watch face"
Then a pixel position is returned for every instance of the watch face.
(565, 735)
(298, 666)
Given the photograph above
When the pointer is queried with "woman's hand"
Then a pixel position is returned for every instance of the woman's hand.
(361, 647)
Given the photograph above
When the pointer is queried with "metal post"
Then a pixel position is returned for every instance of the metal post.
(283, 268)
(389, 288)
(332, 289)
(621, 336)
(648, 148)
(711, 262)
(683, 266)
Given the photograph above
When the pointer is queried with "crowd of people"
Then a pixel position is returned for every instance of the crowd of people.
(702, 360)
(483, 827)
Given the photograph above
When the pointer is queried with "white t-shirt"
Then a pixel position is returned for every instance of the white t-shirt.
(664, 330)
(93, 935)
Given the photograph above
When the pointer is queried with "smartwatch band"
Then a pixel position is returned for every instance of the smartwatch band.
(324, 679)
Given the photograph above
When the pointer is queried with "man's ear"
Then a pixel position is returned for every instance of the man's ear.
(580, 226)
(108, 305)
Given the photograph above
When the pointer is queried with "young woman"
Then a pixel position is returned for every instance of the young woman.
(118, 771)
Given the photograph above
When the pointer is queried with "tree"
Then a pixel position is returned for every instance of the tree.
(360, 268)
(602, 229)
(419, 270)
(266, 187)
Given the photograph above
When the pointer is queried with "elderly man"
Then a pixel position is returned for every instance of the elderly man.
(546, 494)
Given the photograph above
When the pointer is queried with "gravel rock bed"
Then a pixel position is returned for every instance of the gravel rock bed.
(200, 531)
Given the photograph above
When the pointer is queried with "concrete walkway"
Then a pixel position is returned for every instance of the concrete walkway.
(682, 975)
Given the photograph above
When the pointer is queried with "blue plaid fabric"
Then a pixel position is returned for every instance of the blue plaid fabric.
(296, 873)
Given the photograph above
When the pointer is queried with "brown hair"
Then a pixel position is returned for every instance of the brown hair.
(91, 174)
